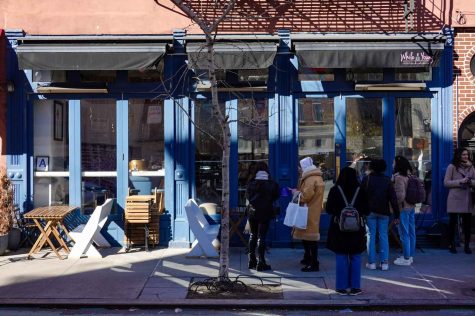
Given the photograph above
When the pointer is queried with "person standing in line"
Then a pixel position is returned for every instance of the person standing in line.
(459, 177)
(347, 246)
(311, 187)
(261, 192)
(407, 226)
(380, 194)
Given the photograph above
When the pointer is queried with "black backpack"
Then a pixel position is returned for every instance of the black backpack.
(415, 191)
(350, 220)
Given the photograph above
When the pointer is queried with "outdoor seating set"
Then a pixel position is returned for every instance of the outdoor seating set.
(50, 222)
(141, 215)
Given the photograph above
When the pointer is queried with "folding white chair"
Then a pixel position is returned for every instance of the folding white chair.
(85, 235)
(205, 233)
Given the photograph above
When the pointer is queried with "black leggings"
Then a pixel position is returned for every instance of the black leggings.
(257, 239)
(258, 229)
(466, 225)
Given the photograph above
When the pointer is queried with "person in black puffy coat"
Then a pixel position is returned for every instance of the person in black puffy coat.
(381, 195)
(261, 192)
(347, 246)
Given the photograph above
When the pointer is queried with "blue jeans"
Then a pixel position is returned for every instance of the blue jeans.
(407, 232)
(376, 222)
(348, 271)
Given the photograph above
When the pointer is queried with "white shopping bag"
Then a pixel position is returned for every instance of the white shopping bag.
(296, 215)
(301, 217)
(290, 212)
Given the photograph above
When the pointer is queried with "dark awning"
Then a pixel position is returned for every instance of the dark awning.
(368, 54)
(90, 56)
(237, 55)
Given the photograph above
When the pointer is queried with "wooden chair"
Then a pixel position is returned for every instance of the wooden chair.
(85, 236)
(142, 212)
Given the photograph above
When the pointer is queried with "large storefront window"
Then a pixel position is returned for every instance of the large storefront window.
(253, 140)
(51, 153)
(208, 155)
(98, 152)
(146, 145)
(364, 131)
(316, 136)
(413, 140)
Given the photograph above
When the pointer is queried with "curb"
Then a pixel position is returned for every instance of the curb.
(229, 304)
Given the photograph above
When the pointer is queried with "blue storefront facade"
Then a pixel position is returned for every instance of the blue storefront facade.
(92, 116)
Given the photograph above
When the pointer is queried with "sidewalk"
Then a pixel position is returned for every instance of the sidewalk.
(161, 277)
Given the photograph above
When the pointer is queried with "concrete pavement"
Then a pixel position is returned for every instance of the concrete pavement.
(161, 277)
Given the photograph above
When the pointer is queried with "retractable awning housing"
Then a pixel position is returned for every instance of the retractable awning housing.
(232, 55)
(90, 56)
(368, 54)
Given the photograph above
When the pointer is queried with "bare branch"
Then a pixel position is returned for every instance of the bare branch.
(228, 9)
(192, 15)
(170, 9)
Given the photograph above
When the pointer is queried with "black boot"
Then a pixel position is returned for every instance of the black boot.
(452, 248)
(261, 250)
(306, 255)
(467, 249)
(252, 263)
(314, 265)
(467, 235)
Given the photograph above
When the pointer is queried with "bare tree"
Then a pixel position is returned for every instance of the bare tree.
(209, 26)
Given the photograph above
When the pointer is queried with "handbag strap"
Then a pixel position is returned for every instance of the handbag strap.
(298, 198)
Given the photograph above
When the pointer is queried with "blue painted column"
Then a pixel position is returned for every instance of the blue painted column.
(442, 127)
(389, 132)
(179, 150)
(19, 127)
(232, 111)
(282, 138)
(340, 132)
(75, 152)
(122, 153)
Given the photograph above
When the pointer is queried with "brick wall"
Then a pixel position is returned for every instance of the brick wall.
(464, 80)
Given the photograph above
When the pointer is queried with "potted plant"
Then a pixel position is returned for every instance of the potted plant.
(6, 209)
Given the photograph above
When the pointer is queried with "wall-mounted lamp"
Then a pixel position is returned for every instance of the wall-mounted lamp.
(10, 86)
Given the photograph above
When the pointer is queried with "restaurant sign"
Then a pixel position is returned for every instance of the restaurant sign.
(416, 58)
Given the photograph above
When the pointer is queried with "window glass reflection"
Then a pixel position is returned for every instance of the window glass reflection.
(208, 155)
(364, 130)
(413, 140)
(98, 152)
(146, 145)
(316, 136)
(51, 152)
(253, 140)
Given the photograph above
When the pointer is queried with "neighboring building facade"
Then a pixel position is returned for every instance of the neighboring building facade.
(464, 74)
(93, 115)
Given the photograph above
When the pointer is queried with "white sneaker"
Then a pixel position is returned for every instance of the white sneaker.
(401, 261)
(412, 259)
(371, 266)
(384, 266)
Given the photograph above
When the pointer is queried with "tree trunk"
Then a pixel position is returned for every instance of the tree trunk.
(226, 143)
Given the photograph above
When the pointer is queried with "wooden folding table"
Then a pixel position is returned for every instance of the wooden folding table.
(49, 220)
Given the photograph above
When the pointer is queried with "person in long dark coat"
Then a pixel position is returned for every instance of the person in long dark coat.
(347, 246)
(261, 192)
